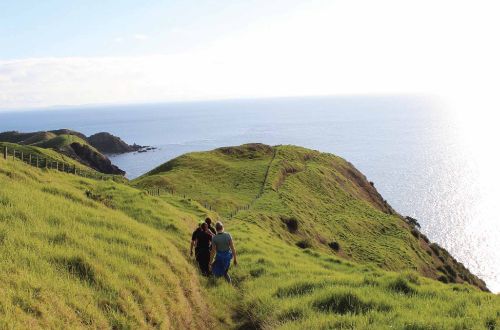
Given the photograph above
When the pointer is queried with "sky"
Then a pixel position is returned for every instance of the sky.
(60, 53)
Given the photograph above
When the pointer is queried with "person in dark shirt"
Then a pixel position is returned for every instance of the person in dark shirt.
(202, 238)
(208, 221)
(193, 241)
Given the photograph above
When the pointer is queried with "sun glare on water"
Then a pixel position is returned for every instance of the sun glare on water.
(475, 127)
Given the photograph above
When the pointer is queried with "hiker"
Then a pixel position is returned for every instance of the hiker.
(210, 227)
(223, 250)
(202, 240)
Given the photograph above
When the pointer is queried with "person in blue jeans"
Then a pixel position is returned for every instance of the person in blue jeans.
(223, 250)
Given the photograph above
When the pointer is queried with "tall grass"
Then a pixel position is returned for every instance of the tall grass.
(80, 253)
(69, 261)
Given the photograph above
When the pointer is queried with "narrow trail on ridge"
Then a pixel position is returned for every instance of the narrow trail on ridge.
(262, 188)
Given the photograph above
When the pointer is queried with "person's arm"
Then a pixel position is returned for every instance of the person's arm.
(233, 250)
(193, 244)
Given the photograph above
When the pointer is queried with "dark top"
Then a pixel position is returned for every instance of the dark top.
(203, 239)
(212, 229)
(193, 237)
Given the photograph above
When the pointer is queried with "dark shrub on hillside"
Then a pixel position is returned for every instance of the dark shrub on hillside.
(304, 244)
(450, 271)
(443, 278)
(80, 268)
(343, 303)
(400, 285)
(436, 248)
(491, 323)
(334, 246)
(258, 272)
(415, 233)
(292, 224)
(107, 200)
(426, 240)
(412, 221)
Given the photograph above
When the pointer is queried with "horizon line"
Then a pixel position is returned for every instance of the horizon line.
(222, 99)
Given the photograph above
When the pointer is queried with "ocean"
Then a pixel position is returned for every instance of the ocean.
(410, 147)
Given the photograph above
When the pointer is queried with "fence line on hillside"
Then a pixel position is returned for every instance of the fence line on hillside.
(261, 191)
(37, 161)
(47, 163)
(232, 214)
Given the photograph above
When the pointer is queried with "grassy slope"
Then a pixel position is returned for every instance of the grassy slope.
(52, 155)
(120, 258)
(279, 284)
(62, 141)
(116, 259)
(224, 180)
(328, 199)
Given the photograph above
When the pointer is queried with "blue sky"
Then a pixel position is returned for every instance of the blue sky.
(110, 28)
(97, 52)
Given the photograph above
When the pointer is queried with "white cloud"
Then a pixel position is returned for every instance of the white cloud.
(388, 46)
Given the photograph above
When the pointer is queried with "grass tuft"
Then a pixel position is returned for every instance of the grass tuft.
(343, 303)
(401, 285)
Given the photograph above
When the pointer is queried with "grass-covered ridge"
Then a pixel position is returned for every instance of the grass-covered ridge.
(307, 198)
(67, 142)
(76, 252)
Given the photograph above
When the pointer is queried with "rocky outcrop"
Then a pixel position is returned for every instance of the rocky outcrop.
(110, 144)
(86, 155)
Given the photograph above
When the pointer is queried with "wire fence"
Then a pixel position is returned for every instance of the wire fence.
(36, 160)
(233, 213)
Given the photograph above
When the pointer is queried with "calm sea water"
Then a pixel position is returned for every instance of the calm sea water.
(409, 146)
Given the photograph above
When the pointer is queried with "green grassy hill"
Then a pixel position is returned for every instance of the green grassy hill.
(307, 198)
(76, 252)
(67, 142)
(41, 153)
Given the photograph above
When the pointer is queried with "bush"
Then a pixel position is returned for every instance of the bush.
(443, 278)
(491, 323)
(400, 285)
(80, 268)
(450, 271)
(343, 303)
(412, 221)
(334, 246)
(292, 224)
(436, 248)
(304, 244)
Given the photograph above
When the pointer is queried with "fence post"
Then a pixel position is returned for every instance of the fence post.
(14, 155)
(22, 156)
(37, 162)
(30, 158)
(57, 166)
(5, 152)
(74, 169)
